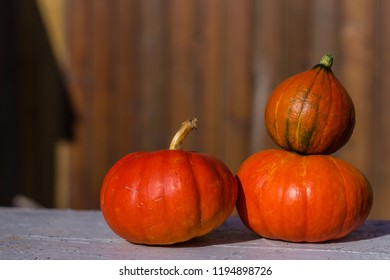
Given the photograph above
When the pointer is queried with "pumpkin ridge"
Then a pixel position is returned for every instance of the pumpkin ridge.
(142, 188)
(345, 194)
(107, 181)
(306, 137)
(271, 167)
(276, 166)
(195, 179)
(326, 127)
(305, 225)
(275, 116)
(217, 170)
(276, 128)
(298, 130)
(287, 133)
(137, 190)
(347, 134)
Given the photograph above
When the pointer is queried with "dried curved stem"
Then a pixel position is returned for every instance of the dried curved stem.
(181, 134)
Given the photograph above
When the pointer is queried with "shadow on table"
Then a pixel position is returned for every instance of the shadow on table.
(369, 230)
(238, 233)
(227, 233)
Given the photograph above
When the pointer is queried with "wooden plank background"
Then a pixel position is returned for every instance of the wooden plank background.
(136, 69)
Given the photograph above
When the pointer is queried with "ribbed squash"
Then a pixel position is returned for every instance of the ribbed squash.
(311, 113)
(167, 196)
(301, 198)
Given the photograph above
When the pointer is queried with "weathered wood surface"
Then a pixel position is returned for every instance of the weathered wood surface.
(68, 234)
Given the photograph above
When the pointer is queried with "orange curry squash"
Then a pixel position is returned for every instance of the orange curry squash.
(298, 198)
(311, 112)
(167, 196)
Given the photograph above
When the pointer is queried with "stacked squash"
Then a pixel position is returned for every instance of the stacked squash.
(298, 193)
(301, 193)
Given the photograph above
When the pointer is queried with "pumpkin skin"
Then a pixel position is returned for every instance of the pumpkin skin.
(311, 112)
(287, 196)
(167, 196)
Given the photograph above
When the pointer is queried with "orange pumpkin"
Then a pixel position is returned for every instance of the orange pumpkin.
(167, 196)
(311, 113)
(292, 197)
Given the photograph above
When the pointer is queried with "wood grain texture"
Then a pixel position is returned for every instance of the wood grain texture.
(380, 118)
(66, 234)
(267, 66)
(357, 73)
(238, 80)
(136, 69)
(209, 76)
(182, 60)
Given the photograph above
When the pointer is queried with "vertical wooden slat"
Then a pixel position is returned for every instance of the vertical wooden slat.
(267, 65)
(296, 36)
(182, 58)
(209, 78)
(152, 75)
(324, 24)
(62, 183)
(381, 114)
(125, 96)
(239, 83)
(356, 74)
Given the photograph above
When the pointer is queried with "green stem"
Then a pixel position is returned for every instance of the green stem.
(327, 60)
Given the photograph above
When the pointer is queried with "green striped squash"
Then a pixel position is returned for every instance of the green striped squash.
(311, 112)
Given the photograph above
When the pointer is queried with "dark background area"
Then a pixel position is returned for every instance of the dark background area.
(35, 109)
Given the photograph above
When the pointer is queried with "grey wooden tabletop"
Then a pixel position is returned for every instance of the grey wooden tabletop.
(69, 234)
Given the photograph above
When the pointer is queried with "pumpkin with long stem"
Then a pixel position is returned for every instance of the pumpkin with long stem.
(167, 196)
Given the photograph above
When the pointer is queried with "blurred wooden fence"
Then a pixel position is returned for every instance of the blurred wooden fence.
(136, 69)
